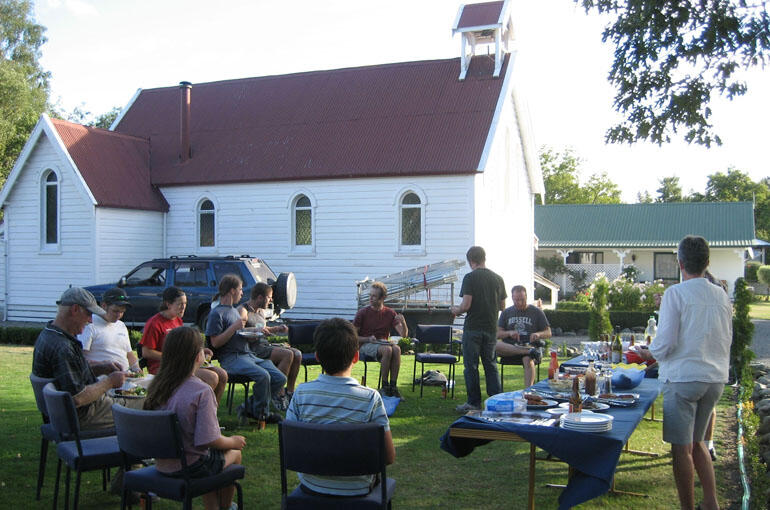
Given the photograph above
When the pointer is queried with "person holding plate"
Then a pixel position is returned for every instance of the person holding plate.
(521, 330)
(373, 324)
(105, 340)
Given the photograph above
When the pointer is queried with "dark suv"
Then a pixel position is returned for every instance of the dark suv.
(198, 277)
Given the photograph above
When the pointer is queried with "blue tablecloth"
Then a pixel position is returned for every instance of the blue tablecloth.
(593, 456)
(582, 362)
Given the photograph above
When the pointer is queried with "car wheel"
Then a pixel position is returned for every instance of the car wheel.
(285, 291)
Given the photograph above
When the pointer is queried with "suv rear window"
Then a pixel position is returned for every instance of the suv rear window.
(260, 271)
(191, 274)
(223, 268)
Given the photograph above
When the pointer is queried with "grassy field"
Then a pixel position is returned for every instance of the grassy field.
(492, 477)
(760, 310)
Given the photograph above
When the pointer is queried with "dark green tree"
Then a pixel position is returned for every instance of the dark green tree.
(672, 55)
(644, 197)
(670, 190)
(561, 175)
(105, 120)
(743, 330)
(23, 83)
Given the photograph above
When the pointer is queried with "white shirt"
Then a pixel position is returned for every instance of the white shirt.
(694, 333)
(106, 341)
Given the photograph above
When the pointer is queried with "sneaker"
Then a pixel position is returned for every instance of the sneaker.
(279, 403)
(535, 355)
(273, 418)
(464, 408)
(243, 417)
(386, 390)
(395, 393)
(713, 454)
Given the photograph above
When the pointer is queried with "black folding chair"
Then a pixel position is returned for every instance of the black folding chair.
(334, 449)
(77, 453)
(437, 335)
(302, 334)
(517, 359)
(156, 434)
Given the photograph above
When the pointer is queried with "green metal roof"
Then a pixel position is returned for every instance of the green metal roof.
(723, 224)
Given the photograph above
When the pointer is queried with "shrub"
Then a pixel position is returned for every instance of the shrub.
(743, 330)
(134, 336)
(578, 306)
(631, 272)
(551, 266)
(599, 320)
(763, 274)
(750, 271)
(627, 319)
(567, 320)
(20, 335)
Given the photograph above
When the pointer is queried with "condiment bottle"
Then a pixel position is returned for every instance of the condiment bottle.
(575, 400)
(649, 339)
(590, 379)
(553, 368)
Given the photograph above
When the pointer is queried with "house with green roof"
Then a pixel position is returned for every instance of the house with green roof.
(607, 237)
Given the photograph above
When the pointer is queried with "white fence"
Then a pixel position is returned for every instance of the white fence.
(612, 271)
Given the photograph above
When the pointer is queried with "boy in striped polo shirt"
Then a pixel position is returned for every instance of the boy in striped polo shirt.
(336, 397)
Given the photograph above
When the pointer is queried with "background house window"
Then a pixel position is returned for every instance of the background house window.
(206, 224)
(303, 221)
(585, 257)
(411, 220)
(51, 208)
(666, 267)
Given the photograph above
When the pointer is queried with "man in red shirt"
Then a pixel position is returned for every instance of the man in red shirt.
(374, 323)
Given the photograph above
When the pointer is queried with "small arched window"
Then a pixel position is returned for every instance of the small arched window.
(303, 222)
(206, 224)
(50, 209)
(411, 220)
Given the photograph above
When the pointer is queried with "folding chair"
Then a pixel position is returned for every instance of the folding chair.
(334, 449)
(156, 434)
(518, 359)
(78, 453)
(438, 335)
(302, 334)
(47, 432)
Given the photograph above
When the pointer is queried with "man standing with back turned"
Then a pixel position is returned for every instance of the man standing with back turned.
(483, 293)
(693, 349)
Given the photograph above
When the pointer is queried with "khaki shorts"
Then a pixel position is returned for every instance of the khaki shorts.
(370, 350)
(687, 408)
(98, 414)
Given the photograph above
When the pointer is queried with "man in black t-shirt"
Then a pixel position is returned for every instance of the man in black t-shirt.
(521, 330)
(483, 293)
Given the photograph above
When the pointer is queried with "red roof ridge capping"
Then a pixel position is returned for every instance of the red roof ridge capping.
(114, 166)
(93, 129)
(482, 14)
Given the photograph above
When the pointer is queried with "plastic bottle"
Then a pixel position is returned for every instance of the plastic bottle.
(575, 400)
(652, 328)
(553, 368)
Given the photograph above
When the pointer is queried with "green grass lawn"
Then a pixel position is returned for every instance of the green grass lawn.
(760, 310)
(492, 477)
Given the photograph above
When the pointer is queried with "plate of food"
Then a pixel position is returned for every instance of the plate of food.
(133, 392)
(619, 399)
(537, 402)
(588, 406)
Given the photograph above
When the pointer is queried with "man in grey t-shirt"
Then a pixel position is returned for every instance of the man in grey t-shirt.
(521, 330)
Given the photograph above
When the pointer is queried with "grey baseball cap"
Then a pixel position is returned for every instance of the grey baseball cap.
(80, 297)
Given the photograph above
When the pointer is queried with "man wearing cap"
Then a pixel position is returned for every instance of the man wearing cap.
(105, 341)
(59, 356)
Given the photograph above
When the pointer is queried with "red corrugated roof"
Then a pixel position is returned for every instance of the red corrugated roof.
(413, 118)
(475, 15)
(115, 166)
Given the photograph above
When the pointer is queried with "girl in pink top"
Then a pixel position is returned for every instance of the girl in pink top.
(155, 329)
(176, 388)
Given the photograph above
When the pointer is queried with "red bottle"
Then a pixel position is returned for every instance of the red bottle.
(553, 368)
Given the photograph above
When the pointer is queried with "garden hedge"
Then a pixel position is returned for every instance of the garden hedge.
(575, 320)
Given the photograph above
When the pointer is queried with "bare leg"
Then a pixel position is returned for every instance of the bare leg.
(222, 498)
(529, 371)
(386, 355)
(282, 358)
(395, 364)
(291, 377)
(705, 469)
(710, 426)
(684, 475)
(504, 349)
(215, 377)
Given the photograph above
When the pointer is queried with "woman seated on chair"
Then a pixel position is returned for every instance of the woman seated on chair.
(176, 388)
(170, 316)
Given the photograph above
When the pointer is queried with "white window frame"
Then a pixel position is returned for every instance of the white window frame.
(45, 246)
(198, 213)
(410, 249)
(302, 249)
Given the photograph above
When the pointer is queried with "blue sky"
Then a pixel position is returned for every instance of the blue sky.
(101, 51)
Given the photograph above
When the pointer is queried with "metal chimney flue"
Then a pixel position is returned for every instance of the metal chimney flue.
(185, 152)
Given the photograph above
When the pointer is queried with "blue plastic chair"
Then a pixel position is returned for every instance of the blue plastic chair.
(156, 434)
(437, 335)
(334, 449)
(77, 453)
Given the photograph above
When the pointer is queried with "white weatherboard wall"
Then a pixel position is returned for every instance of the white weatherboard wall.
(37, 278)
(355, 230)
(124, 239)
(727, 264)
(504, 221)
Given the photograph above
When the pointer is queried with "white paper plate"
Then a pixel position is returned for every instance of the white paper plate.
(598, 409)
(587, 418)
(557, 410)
